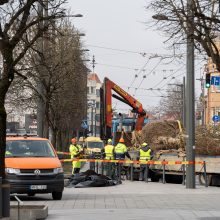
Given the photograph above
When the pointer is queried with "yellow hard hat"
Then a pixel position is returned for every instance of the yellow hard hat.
(109, 140)
(144, 144)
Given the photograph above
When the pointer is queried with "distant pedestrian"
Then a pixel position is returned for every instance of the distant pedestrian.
(144, 155)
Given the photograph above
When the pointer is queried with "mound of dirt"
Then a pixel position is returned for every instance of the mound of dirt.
(159, 135)
(166, 135)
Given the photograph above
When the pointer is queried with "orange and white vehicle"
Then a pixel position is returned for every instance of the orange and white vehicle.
(32, 166)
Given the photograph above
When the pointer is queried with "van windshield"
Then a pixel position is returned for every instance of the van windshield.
(28, 148)
(95, 145)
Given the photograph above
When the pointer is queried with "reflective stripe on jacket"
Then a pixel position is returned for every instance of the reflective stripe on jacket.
(145, 155)
(109, 154)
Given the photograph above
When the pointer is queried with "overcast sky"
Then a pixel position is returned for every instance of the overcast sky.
(116, 34)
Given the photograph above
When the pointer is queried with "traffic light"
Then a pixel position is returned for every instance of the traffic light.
(208, 80)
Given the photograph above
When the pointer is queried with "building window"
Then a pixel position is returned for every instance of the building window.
(97, 92)
(93, 90)
(97, 105)
(88, 90)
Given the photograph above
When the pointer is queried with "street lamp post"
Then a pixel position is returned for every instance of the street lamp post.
(92, 106)
(190, 101)
(190, 96)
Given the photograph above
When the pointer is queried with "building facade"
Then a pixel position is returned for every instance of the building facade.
(93, 104)
(212, 99)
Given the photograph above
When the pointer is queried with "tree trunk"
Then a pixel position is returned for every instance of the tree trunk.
(2, 139)
(46, 121)
(54, 137)
(5, 82)
(59, 140)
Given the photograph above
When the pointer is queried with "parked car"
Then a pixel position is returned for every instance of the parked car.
(32, 166)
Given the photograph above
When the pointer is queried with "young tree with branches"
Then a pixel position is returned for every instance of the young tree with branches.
(17, 20)
(172, 17)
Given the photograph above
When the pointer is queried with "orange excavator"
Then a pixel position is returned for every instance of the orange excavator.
(106, 108)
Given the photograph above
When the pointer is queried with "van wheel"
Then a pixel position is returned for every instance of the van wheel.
(31, 194)
(57, 195)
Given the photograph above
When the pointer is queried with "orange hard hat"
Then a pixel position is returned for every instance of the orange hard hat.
(121, 140)
(73, 140)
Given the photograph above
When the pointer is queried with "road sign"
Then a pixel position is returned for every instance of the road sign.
(215, 118)
(84, 124)
(215, 80)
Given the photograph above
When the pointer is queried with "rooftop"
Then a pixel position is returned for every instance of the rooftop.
(94, 77)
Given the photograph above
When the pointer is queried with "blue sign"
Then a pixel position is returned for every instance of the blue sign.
(84, 124)
(215, 118)
(215, 80)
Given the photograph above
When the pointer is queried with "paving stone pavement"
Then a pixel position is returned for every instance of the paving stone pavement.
(133, 200)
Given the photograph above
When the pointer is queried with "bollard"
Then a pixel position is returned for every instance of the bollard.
(146, 170)
(102, 168)
(5, 198)
(19, 205)
(184, 174)
(164, 173)
(97, 167)
(132, 172)
(119, 172)
(0, 197)
(205, 175)
(92, 166)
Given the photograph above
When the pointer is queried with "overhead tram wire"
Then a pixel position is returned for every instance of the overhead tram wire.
(116, 66)
(150, 72)
(144, 54)
(181, 74)
(164, 78)
(136, 75)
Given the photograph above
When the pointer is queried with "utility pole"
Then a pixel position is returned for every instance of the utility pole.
(40, 103)
(92, 120)
(95, 121)
(190, 100)
(184, 102)
(93, 63)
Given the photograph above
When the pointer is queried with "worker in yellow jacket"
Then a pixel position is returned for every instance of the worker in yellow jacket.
(109, 155)
(74, 152)
(109, 150)
(144, 155)
(120, 151)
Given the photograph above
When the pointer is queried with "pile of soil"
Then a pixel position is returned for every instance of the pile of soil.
(208, 140)
(166, 135)
(160, 135)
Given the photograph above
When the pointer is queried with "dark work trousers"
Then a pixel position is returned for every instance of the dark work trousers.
(76, 170)
(143, 168)
(109, 169)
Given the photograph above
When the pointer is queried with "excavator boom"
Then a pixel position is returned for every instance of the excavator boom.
(106, 107)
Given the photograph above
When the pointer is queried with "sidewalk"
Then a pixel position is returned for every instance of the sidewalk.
(134, 200)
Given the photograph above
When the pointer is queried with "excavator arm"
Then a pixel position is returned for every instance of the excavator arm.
(106, 107)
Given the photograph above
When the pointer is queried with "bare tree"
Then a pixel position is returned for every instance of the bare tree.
(172, 18)
(171, 104)
(63, 82)
(17, 20)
